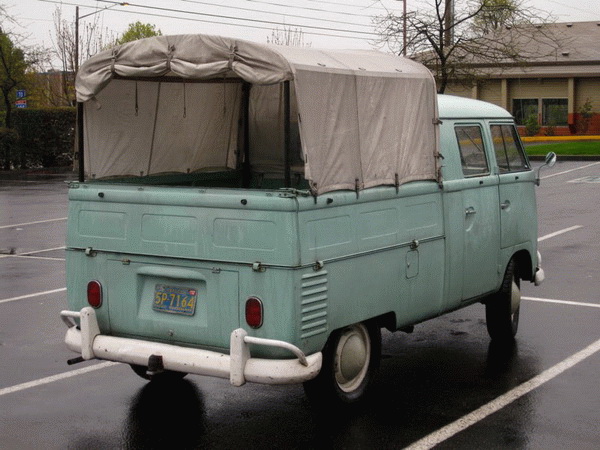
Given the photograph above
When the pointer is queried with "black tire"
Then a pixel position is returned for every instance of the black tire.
(502, 309)
(350, 359)
(142, 372)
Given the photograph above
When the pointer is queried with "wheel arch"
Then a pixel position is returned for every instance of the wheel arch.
(524, 265)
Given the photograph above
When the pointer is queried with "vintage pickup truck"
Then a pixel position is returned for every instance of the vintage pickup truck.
(259, 213)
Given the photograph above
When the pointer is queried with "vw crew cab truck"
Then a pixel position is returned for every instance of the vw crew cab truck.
(259, 213)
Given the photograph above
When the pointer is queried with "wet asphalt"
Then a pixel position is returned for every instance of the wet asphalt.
(443, 372)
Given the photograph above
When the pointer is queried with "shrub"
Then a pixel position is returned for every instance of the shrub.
(585, 116)
(8, 147)
(47, 136)
(532, 127)
(551, 130)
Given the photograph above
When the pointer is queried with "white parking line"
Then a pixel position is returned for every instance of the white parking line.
(42, 251)
(32, 223)
(562, 302)
(41, 258)
(556, 233)
(497, 404)
(28, 254)
(570, 170)
(23, 297)
(53, 378)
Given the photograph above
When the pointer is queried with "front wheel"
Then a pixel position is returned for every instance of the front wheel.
(350, 358)
(502, 309)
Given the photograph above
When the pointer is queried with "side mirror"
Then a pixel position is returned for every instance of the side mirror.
(548, 162)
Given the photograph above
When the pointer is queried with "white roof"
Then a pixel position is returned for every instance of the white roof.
(453, 107)
(365, 118)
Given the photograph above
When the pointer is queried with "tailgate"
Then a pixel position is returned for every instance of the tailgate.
(171, 303)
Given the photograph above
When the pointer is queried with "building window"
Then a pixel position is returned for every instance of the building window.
(523, 108)
(554, 111)
(507, 146)
(472, 153)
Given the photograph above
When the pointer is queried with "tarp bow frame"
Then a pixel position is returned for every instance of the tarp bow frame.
(194, 57)
(367, 118)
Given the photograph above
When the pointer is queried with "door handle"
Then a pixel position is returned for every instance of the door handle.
(505, 204)
(470, 211)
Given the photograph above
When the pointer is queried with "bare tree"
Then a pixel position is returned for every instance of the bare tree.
(92, 39)
(461, 39)
(292, 37)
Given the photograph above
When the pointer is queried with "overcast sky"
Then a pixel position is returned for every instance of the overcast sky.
(325, 23)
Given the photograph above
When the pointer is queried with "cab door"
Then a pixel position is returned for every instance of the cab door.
(480, 213)
(518, 217)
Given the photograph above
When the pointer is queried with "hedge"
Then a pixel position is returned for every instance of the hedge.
(46, 137)
(8, 147)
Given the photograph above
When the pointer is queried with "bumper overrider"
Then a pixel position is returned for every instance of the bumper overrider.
(238, 365)
(539, 272)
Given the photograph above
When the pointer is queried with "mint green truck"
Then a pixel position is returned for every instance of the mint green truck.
(260, 213)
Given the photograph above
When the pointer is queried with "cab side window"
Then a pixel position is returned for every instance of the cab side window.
(472, 152)
(508, 149)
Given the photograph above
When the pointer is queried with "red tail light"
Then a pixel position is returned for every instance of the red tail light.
(94, 294)
(254, 312)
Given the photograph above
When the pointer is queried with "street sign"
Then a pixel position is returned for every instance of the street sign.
(21, 103)
(21, 93)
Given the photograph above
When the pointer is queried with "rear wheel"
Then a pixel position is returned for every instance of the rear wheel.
(142, 371)
(350, 358)
(502, 309)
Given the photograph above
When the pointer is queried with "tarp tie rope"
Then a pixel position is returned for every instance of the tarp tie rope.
(232, 51)
(154, 128)
(224, 97)
(136, 99)
(184, 101)
(170, 57)
(113, 60)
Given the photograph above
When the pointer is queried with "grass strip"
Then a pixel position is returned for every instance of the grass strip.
(565, 149)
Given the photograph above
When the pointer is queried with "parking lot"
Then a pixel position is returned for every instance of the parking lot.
(442, 386)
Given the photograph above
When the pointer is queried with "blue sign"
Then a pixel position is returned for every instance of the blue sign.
(21, 93)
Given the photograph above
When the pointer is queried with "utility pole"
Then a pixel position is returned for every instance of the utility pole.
(77, 18)
(76, 62)
(404, 40)
(404, 29)
(449, 23)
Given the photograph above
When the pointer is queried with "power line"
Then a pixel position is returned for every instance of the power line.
(313, 33)
(282, 5)
(346, 4)
(570, 5)
(237, 8)
(261, 21)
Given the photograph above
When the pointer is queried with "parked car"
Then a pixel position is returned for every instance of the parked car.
(259, 213)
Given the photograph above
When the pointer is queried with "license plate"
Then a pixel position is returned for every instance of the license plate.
(175, 299)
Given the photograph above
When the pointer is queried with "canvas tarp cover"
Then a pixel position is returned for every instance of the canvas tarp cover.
(364, 118)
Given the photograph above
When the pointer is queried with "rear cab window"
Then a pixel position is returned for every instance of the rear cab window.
(471, 147)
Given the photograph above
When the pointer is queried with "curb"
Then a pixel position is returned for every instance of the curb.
(47, 174)
(543, 139)
(566, 158)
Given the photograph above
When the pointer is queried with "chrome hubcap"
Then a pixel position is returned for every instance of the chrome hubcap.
(515, 298)
(352, 357)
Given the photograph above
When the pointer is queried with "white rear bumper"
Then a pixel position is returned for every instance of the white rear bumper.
(238, 366)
